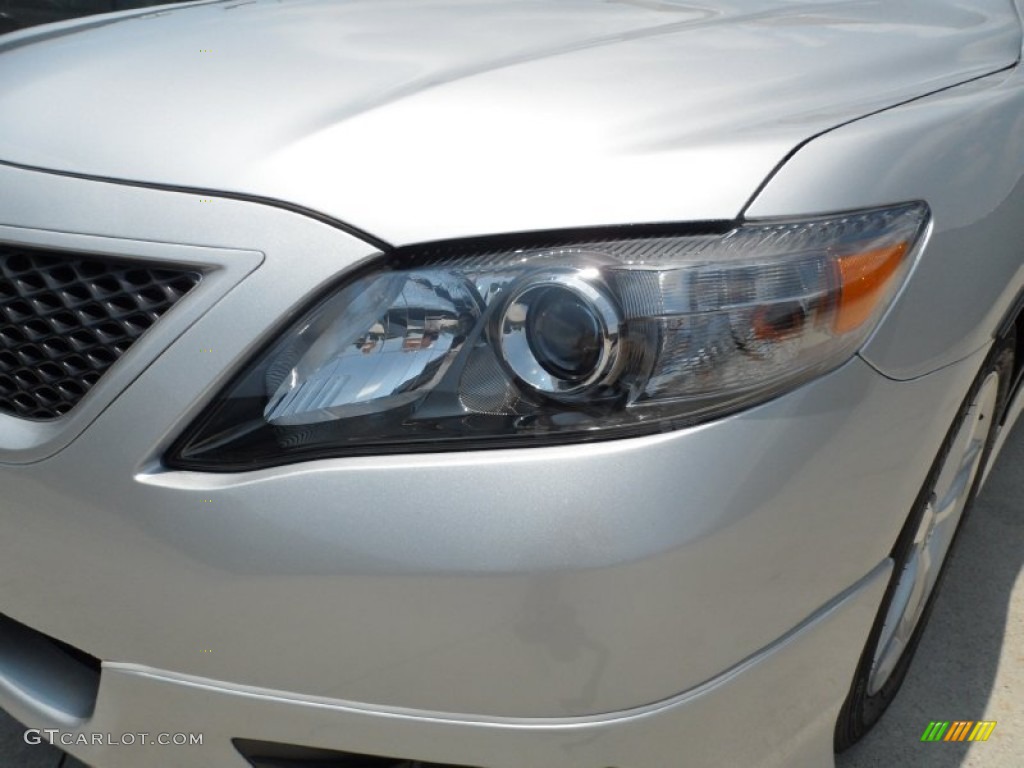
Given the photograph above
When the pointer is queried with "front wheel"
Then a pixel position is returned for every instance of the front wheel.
(923, 549)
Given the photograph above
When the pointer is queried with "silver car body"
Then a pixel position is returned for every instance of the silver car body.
(703, 593)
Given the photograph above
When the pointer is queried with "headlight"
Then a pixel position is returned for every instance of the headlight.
(453, 346)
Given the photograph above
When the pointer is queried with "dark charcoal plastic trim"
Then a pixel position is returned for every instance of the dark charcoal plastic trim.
(52, 674)
(266, 754)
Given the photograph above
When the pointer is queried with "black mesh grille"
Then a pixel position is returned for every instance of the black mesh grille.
(66, 318)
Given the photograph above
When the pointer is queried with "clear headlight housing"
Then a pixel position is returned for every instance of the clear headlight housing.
(563, 339)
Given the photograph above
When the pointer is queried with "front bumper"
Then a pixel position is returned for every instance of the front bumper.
(777, 708)
(487, 608)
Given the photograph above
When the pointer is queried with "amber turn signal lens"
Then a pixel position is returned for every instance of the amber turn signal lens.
(863, 278)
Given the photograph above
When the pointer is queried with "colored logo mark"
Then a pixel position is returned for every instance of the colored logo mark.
(958, 730)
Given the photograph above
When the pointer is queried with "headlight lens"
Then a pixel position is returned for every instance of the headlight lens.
(456, 347)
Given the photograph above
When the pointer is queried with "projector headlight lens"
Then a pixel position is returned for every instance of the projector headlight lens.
(459, 346)
(558, 332)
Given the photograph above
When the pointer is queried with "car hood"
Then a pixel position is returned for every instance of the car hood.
(424, 119)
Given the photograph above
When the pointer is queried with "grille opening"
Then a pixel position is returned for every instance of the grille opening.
(46, 672)
(66, 318)
(265, 754)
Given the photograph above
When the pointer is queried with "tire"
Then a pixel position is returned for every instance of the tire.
(908, 600)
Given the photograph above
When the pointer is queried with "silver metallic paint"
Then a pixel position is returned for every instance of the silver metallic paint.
(700, 724)
(600, 579)
(500, 570)
(424, 120)
(961, 150)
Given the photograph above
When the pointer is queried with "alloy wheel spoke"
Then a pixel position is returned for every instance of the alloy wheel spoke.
(934, 536)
